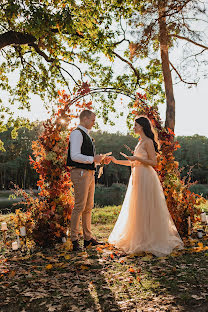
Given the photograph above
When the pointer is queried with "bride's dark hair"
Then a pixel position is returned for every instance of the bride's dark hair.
(148, 130)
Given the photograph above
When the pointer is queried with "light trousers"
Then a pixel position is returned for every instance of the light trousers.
(84, 189)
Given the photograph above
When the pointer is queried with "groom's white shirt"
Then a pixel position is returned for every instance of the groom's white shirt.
(76, 140)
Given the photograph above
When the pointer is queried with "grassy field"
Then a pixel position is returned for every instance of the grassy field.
(103, 279)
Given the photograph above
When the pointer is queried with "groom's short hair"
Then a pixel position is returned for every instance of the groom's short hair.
(85, 113)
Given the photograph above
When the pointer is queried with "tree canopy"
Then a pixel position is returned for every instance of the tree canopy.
(60, 44)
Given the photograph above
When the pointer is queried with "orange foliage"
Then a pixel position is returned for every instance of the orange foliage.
(51, 210)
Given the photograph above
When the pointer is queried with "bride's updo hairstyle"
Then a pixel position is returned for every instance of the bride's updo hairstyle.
(148, 130)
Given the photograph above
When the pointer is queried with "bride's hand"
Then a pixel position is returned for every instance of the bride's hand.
(112, 159)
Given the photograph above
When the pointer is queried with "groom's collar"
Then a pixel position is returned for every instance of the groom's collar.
(83, 128)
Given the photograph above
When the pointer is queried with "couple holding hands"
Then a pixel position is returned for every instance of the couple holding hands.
(144, 223)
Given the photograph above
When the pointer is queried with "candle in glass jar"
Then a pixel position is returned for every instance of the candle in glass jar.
(23, 231)
(4, 226)
(14, 245)
(199, 234)
(203, 217)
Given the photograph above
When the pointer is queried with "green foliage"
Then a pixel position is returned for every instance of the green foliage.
(106, 196)
(52, 42)
(105, 215)
(48, 44)
(201, 189)
(193, 153)
(14, 161)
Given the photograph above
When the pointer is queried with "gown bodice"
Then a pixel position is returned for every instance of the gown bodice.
(141, 152)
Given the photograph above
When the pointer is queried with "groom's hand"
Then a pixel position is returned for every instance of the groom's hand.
(107, 160)
(98, 158)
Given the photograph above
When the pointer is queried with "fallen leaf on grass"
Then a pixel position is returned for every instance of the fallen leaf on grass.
(4, 271)
(12, 274)
(99, 249)
(130, 281)
(147, 258)
(48, 266)
(131, 270)
(162, 258)
(112, 256)
(197, 297)
(67, 257)
(84, 267)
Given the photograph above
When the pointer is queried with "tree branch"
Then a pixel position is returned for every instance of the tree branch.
(51, 60)
(66, 82)
(42, 53)
(136, 72)
(189, 40)
(14, 37)
(74, 66)
(59, 67)
(190, 83)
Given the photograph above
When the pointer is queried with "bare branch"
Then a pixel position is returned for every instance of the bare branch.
(194, 55)
(136, 72)
(51, 60)
(190, 83)
(65, 81)
(74, 66)
(189, 40)
(59, 67)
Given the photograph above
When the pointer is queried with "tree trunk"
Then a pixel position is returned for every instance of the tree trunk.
(164, 46)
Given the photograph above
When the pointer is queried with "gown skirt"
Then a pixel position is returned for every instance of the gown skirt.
(144, 223)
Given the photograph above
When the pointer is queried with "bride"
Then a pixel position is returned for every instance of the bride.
(144, 223)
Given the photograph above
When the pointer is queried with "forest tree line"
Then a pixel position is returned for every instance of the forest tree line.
(15, 166)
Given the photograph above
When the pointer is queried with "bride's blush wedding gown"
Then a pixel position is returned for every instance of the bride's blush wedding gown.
(144, 223)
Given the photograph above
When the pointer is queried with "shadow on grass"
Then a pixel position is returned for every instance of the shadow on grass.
(178, 283)
(101, 291)
(76, 284)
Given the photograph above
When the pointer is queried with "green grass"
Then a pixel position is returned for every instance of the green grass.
(105, 215)
(99, 279)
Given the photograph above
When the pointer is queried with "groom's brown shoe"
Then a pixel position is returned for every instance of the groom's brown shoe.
(91, 242)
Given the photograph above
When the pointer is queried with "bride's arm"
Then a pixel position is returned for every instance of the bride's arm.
(121, 162)
(152, 159)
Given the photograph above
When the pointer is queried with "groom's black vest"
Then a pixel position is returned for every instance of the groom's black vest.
(87, 149)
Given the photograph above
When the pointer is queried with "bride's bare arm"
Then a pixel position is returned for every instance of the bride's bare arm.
(152, 159)
(120, 162)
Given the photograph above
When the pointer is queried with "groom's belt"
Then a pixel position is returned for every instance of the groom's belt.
(82, 168)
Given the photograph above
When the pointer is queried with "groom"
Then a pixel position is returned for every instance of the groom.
(82, 160)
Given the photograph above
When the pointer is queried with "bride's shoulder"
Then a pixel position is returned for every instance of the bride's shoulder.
(148, 142)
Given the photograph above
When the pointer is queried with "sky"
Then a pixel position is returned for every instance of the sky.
(191, 111)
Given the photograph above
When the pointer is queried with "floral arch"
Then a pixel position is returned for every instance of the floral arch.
(48, 215)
